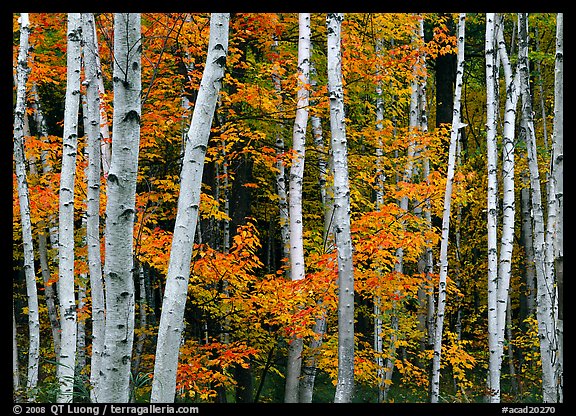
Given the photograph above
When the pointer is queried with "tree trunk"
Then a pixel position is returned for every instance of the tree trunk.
(93, 148)
(345, 383)
(297, 271)
(491, 80)
(120, 211)
(527, 242)
(498, 292)
(558, 178)
(456, 125)
(378, 340)
(281, 178)
(306, 387)
(15, 363)
(175, 293)
(66, 293)
(546, 299)
(24, 202)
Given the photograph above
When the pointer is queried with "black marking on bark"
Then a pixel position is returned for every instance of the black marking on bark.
(112, 178)
(132, 115)
(221, 61)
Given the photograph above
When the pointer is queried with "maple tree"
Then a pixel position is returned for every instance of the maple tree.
(241, 311)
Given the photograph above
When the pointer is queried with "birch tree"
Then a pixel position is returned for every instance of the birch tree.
(546, 298)
(67, 360)
(297, 271)
(490, 53)
(93, 138)
(378, 344)
(441, 303)
(175, 293)
(120, 211)
(345, 382)
(22, 72)
(499, 275)
(306, 387)
(558, 178)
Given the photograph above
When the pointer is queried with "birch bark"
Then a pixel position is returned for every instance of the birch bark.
(498, 294)
(67, 360)
(297, 271)
(345, 382)
(120, 210)
(558, 178)
(175, 293)
(24, 202)
(456, 125)
(93, 143)
(492, 205)
(546, 299)
(306, 387)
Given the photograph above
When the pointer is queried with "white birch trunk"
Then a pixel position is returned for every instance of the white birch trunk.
(345, 383)
(297, 271)
(378, 341)
(105, 142)
(66, 293)
(93, 138)
(175, 293)
(546, 299)
(120, 211)
(499, 298)
(24, 202)
(558, 178)
(299, 136)
(456, 125)
(491, 105)
(306, 387)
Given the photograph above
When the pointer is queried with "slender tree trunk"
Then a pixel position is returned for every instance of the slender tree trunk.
(345, 383)
(297, 271)
(281, 178)
(120, 211)
(93, 148)
(490, 52)
(527, 241)
(175, 293)
(546, 299)
(23, 198)
(15, 363)
(509, 336)
(306, 387)
(499, 285)
(456, 125)
(105, 141)
(81, 330)
(378, 340)
(558, 178)
(142, 322)
(66, 291)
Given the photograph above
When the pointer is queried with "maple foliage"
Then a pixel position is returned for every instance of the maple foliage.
(242, 311)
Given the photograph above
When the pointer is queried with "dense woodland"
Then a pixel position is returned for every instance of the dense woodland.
(288, 207)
